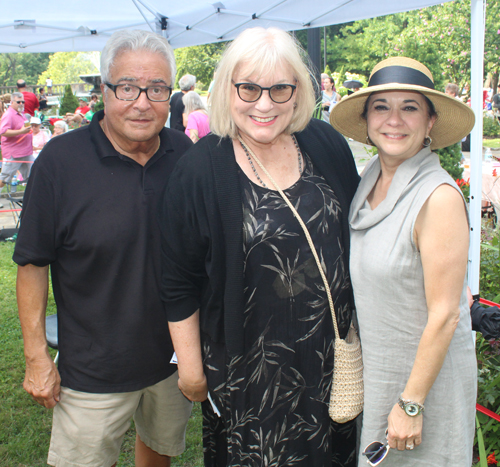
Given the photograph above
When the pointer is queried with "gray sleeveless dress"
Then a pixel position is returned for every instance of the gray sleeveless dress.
(388, 284)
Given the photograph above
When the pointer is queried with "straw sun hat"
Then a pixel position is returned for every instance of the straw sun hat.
(454, 119)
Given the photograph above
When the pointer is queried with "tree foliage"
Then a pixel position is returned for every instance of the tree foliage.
(27, 66)
(450, 160)
(69, 101)
(199, 60)
(438, 36)
(66, 67)
(492, 42)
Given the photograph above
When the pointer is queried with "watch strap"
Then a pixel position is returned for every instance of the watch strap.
(403, 403)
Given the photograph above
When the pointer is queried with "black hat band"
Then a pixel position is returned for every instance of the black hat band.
(401, 75)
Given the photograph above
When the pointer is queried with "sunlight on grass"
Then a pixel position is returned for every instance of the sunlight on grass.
(492, 143)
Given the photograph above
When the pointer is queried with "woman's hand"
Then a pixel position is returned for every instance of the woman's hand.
(185, 336)
(195, 391)
(404, 432)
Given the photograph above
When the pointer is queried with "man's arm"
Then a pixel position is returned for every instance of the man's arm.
(42, 380)
(22, 131)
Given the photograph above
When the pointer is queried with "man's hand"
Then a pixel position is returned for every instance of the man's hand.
(21, 131)
(42, 381)
(194, 391)
(25, 130)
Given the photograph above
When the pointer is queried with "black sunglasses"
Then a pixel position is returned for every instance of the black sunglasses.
(279, 93)
(19, 102)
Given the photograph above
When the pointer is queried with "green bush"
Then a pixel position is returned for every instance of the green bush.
(450, 160)
(99, 105)
(488, 394)
(491, 127)
(489, 278)
(69, 102)
(488, 352)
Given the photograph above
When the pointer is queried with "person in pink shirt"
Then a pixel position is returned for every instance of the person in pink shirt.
(17, 141)
(197, 125)
(31, 101)
(40, 138)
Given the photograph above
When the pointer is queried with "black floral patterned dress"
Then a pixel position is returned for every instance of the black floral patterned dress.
(274, 399)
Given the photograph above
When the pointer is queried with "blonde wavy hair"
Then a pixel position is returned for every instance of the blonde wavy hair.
(260, 50)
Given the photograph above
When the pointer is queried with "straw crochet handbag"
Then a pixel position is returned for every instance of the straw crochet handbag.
(347, 393)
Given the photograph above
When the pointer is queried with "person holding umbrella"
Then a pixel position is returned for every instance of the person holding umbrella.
(352, 86)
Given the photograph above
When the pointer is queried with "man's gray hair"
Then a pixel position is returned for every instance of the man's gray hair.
(133, 41)
(16, 95)
(187, 82)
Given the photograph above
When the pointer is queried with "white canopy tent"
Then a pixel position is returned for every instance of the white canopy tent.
(68, 25)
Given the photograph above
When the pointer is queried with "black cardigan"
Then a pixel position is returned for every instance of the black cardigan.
(201, 220)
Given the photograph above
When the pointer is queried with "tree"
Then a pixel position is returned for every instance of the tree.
(442, 34)
(99, 105)
(66, 67)
(27, 66)
(492, 42)
(199, 60)
(69, 101)
(437, 36)
(450, 160)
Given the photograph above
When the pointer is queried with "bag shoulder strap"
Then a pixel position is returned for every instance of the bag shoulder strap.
(306, 232)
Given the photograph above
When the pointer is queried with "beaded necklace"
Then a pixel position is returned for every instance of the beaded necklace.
(250, 154)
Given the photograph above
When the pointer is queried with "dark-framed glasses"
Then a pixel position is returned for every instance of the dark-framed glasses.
(19, 102)
(279, 93)
(376, 452)
(130, 92)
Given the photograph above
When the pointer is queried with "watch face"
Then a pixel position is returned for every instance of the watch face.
(412, 409)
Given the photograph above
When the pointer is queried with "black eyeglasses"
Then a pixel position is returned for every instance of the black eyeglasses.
(279, 93)
(130, 92)
(19, 102)
(375, 453)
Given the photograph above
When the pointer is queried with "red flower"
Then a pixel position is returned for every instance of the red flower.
(462, 183)
(491, 459)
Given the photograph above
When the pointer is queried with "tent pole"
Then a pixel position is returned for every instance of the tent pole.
(476, 154)
(324, 47)
(314, 51)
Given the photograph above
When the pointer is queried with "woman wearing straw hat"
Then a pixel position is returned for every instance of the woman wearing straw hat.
(409, 242)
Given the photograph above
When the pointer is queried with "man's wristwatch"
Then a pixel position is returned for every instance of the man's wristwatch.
(411, 408)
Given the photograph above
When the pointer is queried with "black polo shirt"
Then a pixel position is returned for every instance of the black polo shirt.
(91, 214)
(176, 111)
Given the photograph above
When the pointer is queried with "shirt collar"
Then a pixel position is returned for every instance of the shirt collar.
(104, 148)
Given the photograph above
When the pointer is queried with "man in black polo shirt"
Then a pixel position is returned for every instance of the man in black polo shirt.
(186, 83)
(90, 214)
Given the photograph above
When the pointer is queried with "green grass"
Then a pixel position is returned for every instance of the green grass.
(492, 143)
(24, 425)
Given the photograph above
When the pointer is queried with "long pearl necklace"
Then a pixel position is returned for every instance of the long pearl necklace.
(250, 154)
